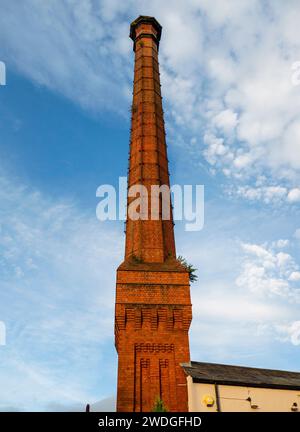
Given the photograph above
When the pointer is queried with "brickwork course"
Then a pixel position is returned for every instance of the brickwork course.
(153, 307)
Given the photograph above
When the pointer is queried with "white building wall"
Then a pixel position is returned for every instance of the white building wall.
(234, 398)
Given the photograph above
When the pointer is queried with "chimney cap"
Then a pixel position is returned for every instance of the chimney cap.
(147, 20)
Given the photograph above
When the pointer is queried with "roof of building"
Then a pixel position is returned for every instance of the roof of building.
(241, 375)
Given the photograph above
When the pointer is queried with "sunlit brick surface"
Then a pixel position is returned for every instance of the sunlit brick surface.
(153, 306)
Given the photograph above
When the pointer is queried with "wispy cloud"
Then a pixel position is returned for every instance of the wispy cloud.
(57, 294)
(229, 100)
(71, 47)
(269, 272)
(290, 332)
(246, 292)
(228, 85)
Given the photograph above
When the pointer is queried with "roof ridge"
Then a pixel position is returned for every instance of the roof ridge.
(238, 366)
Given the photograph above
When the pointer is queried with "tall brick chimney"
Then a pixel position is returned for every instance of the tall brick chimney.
(149, 240)
(153, 307)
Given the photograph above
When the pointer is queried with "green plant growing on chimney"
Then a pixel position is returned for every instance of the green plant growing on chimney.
(133, 108)
(136, 259)
(159, 405)
(189, 267)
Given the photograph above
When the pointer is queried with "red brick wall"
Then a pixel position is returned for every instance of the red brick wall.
(153, 316)
(153, 306)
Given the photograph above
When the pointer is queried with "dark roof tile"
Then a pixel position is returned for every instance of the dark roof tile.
(241, 375)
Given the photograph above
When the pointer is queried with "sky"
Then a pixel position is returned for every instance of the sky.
(231, 105)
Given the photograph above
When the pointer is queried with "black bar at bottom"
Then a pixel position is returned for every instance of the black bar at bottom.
(91, 421)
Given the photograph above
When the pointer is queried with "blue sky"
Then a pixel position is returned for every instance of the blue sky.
(233, 124)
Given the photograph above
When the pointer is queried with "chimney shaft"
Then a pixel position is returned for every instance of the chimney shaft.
(150, 239)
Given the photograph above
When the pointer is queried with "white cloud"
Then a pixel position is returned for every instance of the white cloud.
(282, 243)
(235, 90)
(294, 195)
(243, 98)
(226, 307)
(233, 323)
(226, 120)
(290, 332)
(269, 273)
(232, 93)
(294, 276)
(69, 47)
(57, 270)
(290, 146)
(266, 194)
(243, 160)
(215, 148)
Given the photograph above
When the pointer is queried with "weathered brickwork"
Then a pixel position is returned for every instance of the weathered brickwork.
(153, 306)
(148, 240)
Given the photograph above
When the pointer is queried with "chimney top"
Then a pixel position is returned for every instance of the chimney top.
(142, 19)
